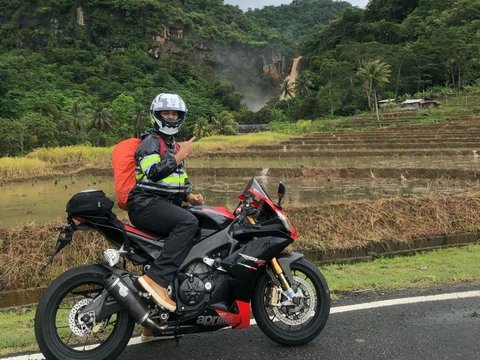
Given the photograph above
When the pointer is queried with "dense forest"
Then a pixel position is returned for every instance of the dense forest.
(85, 71)
(413, 47)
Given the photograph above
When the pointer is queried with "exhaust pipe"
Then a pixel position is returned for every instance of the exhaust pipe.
(126, 296)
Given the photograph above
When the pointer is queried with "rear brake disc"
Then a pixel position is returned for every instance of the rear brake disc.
(79, 327)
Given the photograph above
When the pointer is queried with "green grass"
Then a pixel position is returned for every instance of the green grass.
(452, 107)
(41, 161)
(453, 265)
(16, 331)
(48, 161)
(225, 142)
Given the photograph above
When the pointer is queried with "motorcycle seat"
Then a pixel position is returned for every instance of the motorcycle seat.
(146, 234)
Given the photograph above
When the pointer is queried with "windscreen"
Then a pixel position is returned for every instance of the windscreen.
(254, 185)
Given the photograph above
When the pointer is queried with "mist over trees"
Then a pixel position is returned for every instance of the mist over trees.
(85, 72)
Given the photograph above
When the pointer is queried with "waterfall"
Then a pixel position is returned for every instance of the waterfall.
(292, 77)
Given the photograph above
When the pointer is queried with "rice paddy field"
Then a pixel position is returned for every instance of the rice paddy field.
(351, 193)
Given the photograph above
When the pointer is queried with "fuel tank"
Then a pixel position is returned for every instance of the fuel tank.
(211, 218)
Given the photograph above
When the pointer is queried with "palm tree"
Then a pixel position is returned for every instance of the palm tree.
(287, 91)
(225, 123)
(277, 115)
(102, 120)
(201, 128)
(77, 114)
(303, 84)
(375, 74)
(138, 121)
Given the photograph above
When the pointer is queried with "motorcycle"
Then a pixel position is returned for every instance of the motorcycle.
(236, 266)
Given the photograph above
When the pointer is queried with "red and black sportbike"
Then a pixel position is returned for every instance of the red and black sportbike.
(236, 265)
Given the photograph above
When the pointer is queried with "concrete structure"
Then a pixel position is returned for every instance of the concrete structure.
(419, 104)
(387, 103)
(249, 128)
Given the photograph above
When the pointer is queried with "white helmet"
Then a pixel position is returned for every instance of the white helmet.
(168, 102)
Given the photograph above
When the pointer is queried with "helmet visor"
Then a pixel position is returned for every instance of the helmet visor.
(169, 115)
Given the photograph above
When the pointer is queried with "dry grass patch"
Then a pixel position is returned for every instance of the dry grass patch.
(64, 160)
(44, 162)
(327, 227)
(355, 224)
(78, 154)
(25, 250)
(18, 167)
(237, 142)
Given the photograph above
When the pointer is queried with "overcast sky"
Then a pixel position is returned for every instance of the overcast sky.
(245, 4)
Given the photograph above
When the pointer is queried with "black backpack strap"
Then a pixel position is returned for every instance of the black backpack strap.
(118, 224)
(163, 146)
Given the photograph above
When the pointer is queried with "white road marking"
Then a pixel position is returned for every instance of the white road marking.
(333, 310)
(411, 300)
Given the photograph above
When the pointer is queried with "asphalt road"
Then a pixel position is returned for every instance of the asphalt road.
(446, 329)
(432, 324)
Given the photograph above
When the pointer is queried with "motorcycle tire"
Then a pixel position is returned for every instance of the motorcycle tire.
(290, 323)
(70, 292)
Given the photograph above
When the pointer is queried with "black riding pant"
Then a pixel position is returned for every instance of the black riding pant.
(155, 214)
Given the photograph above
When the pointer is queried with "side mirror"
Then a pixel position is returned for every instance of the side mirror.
(281, 193)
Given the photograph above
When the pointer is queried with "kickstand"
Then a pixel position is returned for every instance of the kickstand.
(177, 341)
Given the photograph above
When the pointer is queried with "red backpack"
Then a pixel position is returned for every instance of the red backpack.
(123, 162)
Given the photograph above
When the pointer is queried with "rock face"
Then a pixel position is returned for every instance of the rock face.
(255, 69)
(274, 64)
(163, 43)
(255, 72)
(240, 58)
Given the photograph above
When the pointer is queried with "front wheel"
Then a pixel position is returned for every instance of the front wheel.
(62, 333)
(296, 321)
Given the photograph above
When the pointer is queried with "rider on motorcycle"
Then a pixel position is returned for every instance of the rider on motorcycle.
(162, 184)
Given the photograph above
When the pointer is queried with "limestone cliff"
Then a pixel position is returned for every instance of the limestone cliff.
(255, 71)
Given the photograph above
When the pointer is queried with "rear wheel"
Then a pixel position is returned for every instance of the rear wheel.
(62, 334)
(297, 321)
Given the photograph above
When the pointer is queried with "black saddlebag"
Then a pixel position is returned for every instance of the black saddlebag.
(90, 203)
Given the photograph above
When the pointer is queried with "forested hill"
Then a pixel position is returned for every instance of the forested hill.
(86, 71)
(423, 48)
(297, 19)
(291, 22)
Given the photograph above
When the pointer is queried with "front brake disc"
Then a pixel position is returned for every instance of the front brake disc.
(298, 314)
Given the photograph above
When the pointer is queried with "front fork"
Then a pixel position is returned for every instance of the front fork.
(278, 271)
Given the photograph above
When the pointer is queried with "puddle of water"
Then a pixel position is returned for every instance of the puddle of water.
(44, 202)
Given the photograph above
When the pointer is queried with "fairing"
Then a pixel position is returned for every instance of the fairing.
(235, 253)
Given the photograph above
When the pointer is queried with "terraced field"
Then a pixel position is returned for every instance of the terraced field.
(349, 194)
(422, 159)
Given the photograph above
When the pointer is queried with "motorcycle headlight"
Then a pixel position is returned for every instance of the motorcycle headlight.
(287, 223)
